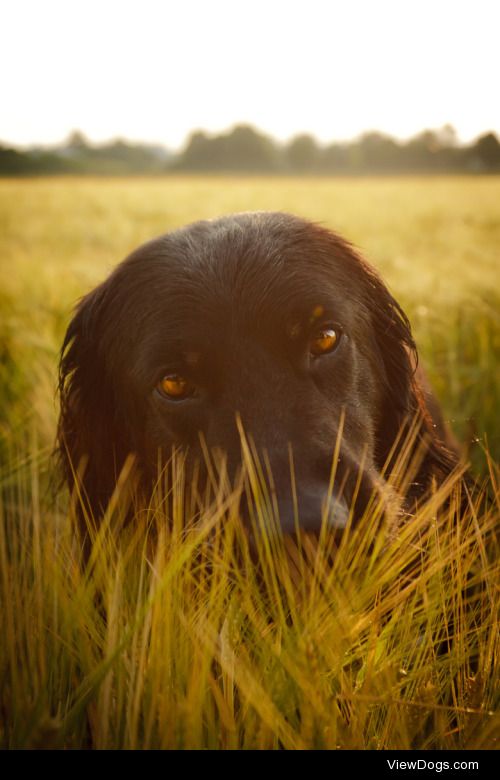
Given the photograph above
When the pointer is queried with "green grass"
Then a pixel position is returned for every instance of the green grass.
(197, 650)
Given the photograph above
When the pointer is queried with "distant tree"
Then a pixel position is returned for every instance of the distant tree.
(420, 151)
(487, 151)
(302, 153)
(123, 157)
(242, 149)
(334, 158)
(115, 157)
(246, 149)
(76, 141)
(377, 152)
(196, 155)
(13, 162)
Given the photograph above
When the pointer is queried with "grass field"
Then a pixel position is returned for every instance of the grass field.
(200, 654)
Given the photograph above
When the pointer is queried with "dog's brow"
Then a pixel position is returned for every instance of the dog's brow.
(191, 358)
(317, 312)
(311, 315)
(294, 330)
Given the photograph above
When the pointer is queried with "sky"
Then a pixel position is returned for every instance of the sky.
(155, 70)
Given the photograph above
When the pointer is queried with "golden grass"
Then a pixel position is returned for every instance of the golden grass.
(179, 634)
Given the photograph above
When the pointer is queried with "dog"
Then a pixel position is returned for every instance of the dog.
(264, 322)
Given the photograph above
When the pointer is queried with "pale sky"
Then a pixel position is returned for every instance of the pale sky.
(154, 70)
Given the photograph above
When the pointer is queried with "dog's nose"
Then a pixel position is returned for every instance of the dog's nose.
(313, 508)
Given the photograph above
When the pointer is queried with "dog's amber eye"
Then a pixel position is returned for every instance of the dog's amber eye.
(176, 387)
(323, 341)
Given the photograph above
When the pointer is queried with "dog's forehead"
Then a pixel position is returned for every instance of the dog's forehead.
(212, 294)
(196, 290)
(253, 269)
(251, 296)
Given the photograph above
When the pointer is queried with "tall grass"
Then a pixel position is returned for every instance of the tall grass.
(181, 634)
(183, 631)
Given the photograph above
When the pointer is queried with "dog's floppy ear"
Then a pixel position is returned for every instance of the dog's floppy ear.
(91, 443)
(397, 355)
(403, 398)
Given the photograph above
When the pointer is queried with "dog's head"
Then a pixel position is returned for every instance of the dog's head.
(263, 318)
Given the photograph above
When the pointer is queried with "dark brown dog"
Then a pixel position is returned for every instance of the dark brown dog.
(261, 315)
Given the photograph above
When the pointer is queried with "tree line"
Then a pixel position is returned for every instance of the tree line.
(244, 149)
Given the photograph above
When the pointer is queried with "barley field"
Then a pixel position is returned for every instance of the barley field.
(173, 635)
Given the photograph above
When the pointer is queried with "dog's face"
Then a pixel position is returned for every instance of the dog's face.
(262, 318)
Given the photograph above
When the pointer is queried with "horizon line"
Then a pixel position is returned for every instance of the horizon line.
(121, 137)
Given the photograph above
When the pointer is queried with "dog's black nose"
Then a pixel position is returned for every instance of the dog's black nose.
(312, 508)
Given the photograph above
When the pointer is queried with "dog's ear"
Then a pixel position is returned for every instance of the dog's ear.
(403, 403)
(396, 354)
(91, 444)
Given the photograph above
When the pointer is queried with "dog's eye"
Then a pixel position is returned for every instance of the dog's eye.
(175, 387)
(324, 341)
